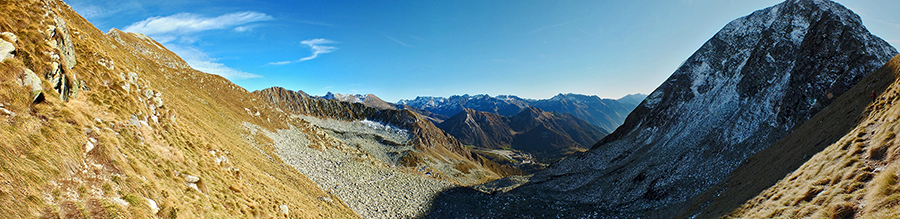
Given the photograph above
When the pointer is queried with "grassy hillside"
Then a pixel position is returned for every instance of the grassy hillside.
(855, 175)
(141, 133)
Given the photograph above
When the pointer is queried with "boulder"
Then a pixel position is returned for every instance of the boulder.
(32, 81)
(88, 147)
(154, 208)
(7, 48)
(191, 179)
(12, 37)
(284, 209)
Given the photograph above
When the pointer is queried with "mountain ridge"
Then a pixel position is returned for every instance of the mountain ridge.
(606, 114)
(754, 82)
(545, 135)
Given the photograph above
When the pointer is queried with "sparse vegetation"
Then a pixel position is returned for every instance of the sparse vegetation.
(855, 177)
(46, 169)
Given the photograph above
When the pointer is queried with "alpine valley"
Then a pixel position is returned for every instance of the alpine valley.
(784, 113)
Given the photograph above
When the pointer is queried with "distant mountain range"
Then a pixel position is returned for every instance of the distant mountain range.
(606, 114)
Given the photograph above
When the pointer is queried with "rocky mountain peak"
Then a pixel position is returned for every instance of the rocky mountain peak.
(750, 85)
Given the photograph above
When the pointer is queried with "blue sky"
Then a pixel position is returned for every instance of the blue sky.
(407, 48)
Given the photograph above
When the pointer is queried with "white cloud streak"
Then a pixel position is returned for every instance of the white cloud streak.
(188, 23)
(178, 32)
(316, 46)
(200, 61)
(398, 41)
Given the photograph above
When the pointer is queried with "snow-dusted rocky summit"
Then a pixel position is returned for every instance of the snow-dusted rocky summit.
(751, 84)
(748, 86)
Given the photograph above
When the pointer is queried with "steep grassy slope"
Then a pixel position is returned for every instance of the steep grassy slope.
(855, 176)
(141, 134)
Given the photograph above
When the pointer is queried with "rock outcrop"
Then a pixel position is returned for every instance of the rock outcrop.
(31, 81)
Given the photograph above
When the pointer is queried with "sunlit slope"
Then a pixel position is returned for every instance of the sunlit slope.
(140, 133)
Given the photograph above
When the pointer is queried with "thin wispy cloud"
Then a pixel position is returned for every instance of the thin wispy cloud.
(96, 9)
(175, 26)
(200, 61)
(542, 28)
(179, 32)
(317, 46)
(397, 41)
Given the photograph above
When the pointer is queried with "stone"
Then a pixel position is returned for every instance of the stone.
(63, 88)
(132, 78)
(191, 179)
(50, 31)
(12, 37)
(7, 112)
(194, 186)
(54, 70)
(88, 147)
(134, 121)
(73, 90)
(154, 208)
(158, 101)
(148, 93)
(31, 80)
(6, 50)
(119, 201)
(284, 209)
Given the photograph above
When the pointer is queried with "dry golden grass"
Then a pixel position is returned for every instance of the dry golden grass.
(857, 176)
(45, 170)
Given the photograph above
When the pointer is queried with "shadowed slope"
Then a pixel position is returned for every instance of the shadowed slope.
(850, 162)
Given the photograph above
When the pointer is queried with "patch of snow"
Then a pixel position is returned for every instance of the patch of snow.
(801, 26)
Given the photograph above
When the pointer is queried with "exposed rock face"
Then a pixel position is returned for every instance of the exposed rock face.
(747, 87)
(7, 47)
(61, 39)
(836, 167)
(33, 82)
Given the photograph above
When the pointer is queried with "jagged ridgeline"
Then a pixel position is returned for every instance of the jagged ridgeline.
(113, 124)
(750, 85)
